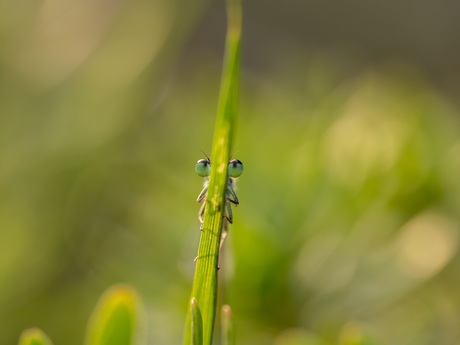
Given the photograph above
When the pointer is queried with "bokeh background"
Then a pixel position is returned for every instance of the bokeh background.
(349, 129)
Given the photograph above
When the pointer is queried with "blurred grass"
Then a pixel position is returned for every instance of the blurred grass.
(227, 327)
(34, 336)
(117, 318)
(349, 202)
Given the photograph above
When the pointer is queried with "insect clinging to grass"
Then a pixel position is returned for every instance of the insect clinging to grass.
(234, 170)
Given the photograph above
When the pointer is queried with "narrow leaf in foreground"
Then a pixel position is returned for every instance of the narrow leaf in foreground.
(197, 323)
(115, 320)
(34, 336)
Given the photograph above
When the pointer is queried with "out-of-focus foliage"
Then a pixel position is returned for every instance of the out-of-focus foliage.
(34, 336)
(116, 319)
(227, 326)
(356, 216)
(348, 224)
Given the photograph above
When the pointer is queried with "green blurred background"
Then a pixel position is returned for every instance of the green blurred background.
(349, 129)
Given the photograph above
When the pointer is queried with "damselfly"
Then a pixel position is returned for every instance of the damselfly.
(235, 169)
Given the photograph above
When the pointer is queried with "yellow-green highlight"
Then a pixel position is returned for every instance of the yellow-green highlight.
(353, 334)
(116, 318)
(34, 336)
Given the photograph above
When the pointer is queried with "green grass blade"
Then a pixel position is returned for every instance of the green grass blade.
(204, 287)
(34, 336)
(228, 331)
(197, 324)
(115, 320)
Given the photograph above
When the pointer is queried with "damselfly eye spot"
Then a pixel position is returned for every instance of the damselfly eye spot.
(203, 167)
(235, 168)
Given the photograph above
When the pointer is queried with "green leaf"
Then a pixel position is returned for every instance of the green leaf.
(204, 287)
(34, 336)
(228, 331)
(115, 320)
(197, 323)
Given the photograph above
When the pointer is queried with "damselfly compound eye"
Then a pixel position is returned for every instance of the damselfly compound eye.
(203, 167)
(235, 168)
